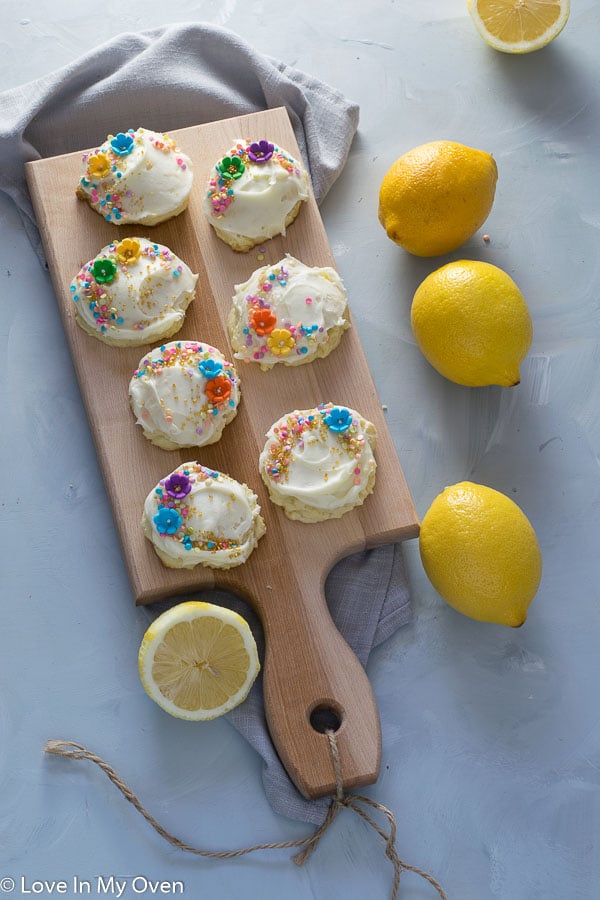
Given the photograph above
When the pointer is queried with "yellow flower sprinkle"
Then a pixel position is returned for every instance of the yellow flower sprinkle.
(128, 250)
(98, 165)
(281, 341)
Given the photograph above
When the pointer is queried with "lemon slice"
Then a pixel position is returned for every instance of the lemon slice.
(198, 661)
(519, 26)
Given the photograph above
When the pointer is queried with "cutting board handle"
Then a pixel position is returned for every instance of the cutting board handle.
(312, 681)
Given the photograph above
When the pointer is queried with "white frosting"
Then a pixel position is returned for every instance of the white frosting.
(257, 203)
(185, 392)
(284, 313)
(147, 185)
(145, 299)
(315, 470)
(215, 521)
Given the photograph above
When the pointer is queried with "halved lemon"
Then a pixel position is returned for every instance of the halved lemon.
(519, 26)
(198, 661)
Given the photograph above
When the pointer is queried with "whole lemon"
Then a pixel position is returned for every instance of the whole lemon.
(436, 196)
(472, 323)
(481, 553)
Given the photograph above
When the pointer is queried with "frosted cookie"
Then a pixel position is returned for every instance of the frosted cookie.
(318, 463)
(133, 292)
(288, 313)
(254, 193)
(183, 394)
(138, 177)
(196, 516)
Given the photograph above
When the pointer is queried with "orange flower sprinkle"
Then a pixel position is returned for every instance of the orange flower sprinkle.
(218, 389)
(281, 341)
(263, 321)
(128, 250)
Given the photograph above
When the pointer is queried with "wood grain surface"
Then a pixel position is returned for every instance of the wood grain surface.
(307, 664)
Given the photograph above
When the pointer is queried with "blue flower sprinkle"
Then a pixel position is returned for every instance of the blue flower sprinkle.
(122, 144)
(210, 368)
(167, 520)
(338, 419)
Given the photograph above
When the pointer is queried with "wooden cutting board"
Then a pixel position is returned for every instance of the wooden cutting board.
(308, 666)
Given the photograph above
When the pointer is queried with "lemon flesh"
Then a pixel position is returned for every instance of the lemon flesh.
(436, 196)
(198, 661)
(481, 553)
(472, 324)
(519, 26)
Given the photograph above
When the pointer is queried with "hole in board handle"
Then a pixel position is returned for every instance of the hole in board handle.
(325, 718)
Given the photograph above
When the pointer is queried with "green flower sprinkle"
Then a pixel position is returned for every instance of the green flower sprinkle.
(231, 167)
(104, 270)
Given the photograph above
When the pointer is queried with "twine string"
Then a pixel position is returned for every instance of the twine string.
(307, 846)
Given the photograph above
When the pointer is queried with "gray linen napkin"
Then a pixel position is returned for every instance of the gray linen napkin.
(169, 78)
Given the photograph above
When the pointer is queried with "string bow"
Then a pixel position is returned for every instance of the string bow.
(307, 846)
